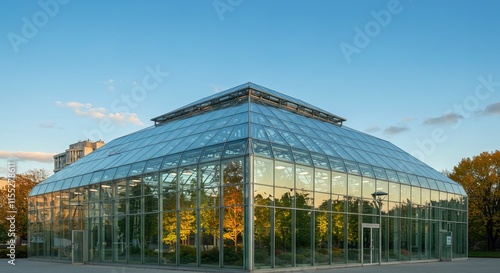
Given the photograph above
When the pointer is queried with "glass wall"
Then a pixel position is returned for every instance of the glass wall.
(179, 216)
(303, 215)
(310, 216)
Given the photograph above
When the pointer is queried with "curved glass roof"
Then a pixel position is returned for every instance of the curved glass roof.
(248, 119)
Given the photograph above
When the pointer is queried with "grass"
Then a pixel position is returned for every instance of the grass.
(484, 254)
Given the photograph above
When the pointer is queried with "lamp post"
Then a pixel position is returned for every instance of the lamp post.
(378, 196)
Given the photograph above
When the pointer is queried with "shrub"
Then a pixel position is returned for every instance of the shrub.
(21, 252)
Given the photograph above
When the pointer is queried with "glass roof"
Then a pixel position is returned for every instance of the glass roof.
(249, 126)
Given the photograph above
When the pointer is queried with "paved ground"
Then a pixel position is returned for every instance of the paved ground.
(472, 265)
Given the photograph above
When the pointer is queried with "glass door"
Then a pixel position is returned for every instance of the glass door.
(369, 252)
(77, 245)
(445, 245)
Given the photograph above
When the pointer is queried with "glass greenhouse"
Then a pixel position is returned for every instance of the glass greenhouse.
(248, 179)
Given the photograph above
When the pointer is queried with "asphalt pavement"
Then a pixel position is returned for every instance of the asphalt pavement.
(472, 265)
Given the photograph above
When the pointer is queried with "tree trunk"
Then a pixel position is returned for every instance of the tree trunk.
(491, 238)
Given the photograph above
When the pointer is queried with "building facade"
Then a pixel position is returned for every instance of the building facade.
(251, 179)
(75, 152)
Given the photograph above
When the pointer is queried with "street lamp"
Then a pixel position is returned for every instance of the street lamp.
(378, 196)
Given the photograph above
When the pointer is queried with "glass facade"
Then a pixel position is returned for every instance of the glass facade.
(249, 179)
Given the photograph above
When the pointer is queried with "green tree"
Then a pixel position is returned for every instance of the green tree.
(23, 185)
(480, 178)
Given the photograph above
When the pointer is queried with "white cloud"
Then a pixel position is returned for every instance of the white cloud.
(110, 81)
(394, 130)
(492, 109)
(449, 118)
(29, 156)
(87, 110)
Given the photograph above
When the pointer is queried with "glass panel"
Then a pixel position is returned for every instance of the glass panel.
(403, 178)
(368, 188)
(303, 226)
(302, 157)
(235, 148)
(354, 186)
(151, 240)
(222, 136)
(353, 231)
(262, 148)
(212, 153)
(352, 167)
(380, 173)
(284, 175)
(169, 239)
(262, 237)
(304, 178)
(263, 171)
(282, 152)
(233, 213)
(170, 161)
(187, 201)
(310, 145)
(96, 178)
(366, 170)
(263, 195)
(394, 192)
(239, 131)
(291, 140)
(137, 168)
(391, 175)
(322, 181)
(258, 132)
(283, 237)
(274, 136)
(187, 187)
(415, 196)
(423, 182)
(320, 161)
(86, 179)
(338, 234)
(168, 185)
(337, 164)
(414, 180)
(153, 165)
(203, 140)
(122, 172)
(190, 157)
(339, 183)
(109, 174)
(75, 182)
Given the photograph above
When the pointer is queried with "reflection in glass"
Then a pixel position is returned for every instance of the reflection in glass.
(303, 236)
(339, 225)
(321, 254)
(283, 237)
(262, 241)
(339, 183)
(233, 213)
(353, 239)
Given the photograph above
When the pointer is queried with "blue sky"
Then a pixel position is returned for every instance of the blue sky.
(424, 75)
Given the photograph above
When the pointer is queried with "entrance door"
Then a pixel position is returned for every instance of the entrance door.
(445, 245)
(77, 247)
(370, 242)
